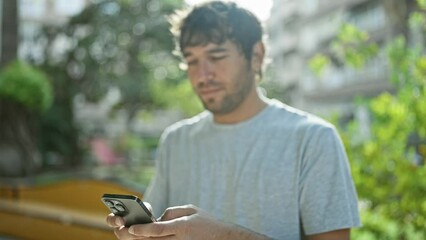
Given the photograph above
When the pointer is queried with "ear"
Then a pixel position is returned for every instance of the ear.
(257, 57)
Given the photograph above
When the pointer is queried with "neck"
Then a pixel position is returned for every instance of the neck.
(251, 106)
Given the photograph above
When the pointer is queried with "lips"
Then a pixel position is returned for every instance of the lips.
(210, 92)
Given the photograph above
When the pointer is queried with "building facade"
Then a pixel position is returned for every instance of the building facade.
(300, 29)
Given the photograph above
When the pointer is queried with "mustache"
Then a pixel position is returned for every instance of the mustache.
(208, 84)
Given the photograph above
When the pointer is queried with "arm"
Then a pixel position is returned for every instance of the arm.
(328, 200)
(184, 222)
(180, 222)
(343, 234)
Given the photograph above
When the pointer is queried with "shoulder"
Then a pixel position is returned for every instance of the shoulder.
(296, 119)
(186, 126)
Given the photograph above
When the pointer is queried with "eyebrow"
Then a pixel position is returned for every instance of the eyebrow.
(213, 50)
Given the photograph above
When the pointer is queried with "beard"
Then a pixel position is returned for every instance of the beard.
(230, 101)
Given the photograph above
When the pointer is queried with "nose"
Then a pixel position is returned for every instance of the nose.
(205, 71)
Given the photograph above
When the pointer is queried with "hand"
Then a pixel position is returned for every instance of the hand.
(175, 223)
(117, 223)
(183, 222)
(187, 222)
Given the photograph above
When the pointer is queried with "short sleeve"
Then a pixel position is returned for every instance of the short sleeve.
(327, 196)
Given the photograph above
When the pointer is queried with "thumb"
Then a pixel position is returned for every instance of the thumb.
(177, 212)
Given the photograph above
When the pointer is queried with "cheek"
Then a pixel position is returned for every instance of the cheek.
(191, 76)
(190, 72)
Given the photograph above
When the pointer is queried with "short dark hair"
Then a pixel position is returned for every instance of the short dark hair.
(216, 22)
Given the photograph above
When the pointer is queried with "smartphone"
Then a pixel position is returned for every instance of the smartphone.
(130, 207)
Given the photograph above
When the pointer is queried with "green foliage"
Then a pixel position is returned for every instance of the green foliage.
(421, 4)
(401, 59)
(388, 180)
(352, 46)
(26, 85)
(318, 63)
(123, 44)
(417, 20)
(390, 183)
(388, 170)
(180, 96)
(131, 146)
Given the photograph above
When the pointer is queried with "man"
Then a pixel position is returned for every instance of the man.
(251, 167)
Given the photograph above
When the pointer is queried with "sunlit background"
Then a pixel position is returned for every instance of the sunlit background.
(261, 8)
(88, 86)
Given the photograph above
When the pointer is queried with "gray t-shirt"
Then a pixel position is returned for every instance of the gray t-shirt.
(277, 173)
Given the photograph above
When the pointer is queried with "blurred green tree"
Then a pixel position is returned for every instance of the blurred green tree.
(389, 166)
(124, 44)
(25, 93)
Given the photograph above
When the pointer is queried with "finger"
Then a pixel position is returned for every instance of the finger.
(172, 237)
(122, 233)
(177, 212)
(114, 221)
(159, 229)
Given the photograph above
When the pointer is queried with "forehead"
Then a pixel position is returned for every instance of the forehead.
(209, 48)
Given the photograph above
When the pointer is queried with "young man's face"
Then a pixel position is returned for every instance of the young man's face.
(220, 75)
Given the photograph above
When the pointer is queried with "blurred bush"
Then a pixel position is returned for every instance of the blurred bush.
(25, 93)
(121, 45)
(388, 165)
(26, 85)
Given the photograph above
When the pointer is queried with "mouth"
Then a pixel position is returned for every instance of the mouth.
(209, 92)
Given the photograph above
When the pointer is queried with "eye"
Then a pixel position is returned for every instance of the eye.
(191, 62)
(218, 57)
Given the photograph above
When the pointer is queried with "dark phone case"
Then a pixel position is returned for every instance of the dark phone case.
(131, 208)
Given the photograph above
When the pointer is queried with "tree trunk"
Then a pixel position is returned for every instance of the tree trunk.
(398, 12)
(18, 153)
(10, 33)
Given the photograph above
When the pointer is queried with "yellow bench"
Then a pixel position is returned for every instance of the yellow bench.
(66, 210)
